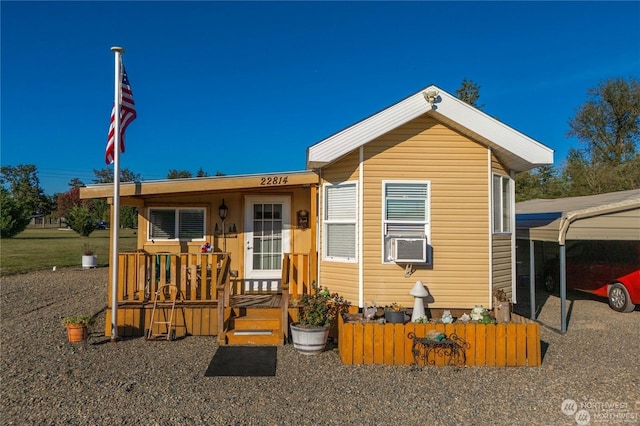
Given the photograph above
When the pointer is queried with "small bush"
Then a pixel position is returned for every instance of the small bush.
(80, 219)
(13, 217)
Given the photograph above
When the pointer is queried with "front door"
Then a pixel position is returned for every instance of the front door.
(267, 221)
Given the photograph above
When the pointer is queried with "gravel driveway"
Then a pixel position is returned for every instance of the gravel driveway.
(46, 380)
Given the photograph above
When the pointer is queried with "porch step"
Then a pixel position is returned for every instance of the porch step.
(256, 326)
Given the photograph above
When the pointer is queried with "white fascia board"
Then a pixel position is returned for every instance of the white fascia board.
(494, 130)
(352, 137)
(531, 152)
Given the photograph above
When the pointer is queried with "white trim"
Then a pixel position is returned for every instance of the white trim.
(427, 230)
(325, 257)
(490, 202)
(177, 223)
(513, 240)
(360, 228)
(517, 151)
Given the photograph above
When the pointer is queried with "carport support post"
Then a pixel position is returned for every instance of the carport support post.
(532, 278)
(563, 289)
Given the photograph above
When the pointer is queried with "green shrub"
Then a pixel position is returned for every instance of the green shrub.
(13, 217)
(80, 219)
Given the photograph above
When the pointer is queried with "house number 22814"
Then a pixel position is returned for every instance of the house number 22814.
(273, 180)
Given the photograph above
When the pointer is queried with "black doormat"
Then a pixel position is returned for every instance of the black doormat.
(247, 361)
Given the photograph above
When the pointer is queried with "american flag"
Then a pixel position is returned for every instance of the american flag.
(127, 115)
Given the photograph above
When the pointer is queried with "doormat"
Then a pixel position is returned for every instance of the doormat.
(245, 361)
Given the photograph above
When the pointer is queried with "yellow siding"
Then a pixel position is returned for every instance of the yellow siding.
(338, 276)
(456, 166)
(501, 246)
(502, 263)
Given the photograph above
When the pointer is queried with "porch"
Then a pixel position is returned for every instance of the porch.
(210, 299)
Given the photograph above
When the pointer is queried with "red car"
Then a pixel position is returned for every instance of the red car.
(609, 269)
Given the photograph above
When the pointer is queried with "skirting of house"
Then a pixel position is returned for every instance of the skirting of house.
(134, 320)
(512, 344)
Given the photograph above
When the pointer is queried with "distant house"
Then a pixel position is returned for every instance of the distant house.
(422, 190)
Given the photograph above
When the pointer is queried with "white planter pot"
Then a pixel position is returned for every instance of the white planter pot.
(89, 261)
(309, 341)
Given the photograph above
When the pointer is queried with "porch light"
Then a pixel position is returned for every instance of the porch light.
(419, 292)
(223, 210)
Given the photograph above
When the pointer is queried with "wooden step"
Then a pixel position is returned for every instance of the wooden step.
(255, 337)
(253, 323)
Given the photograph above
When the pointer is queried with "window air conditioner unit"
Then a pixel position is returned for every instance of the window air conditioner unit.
(409, 250)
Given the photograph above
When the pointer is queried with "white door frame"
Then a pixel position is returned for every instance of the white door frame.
(257, 279)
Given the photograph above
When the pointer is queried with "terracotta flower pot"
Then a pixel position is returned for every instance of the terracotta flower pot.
(77, 332)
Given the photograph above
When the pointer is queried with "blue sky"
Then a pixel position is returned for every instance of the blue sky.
(246, 87)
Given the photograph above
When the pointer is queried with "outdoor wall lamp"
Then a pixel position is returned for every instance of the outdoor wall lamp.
(431, 95)
(223, 210)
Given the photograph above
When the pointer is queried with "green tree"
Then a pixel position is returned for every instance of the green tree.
(14, 218)
(542, 182)
(201, 173)
(607, 127)
(179, 174)
(469, 92)
(128, 214)
(80, 218)
(24, 186)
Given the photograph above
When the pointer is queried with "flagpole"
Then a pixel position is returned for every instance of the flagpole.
(115, 225)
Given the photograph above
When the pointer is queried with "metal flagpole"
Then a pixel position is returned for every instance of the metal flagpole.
(115, 225)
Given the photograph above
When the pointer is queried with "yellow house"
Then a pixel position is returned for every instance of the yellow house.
(422, 190)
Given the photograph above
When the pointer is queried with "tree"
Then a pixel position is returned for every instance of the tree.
(13, 217)
(201, 173)
(24, 186)
(542, 182)
(608, 129)
(81, 219)
(106, 175)
(76, 183)
(179, 174)
(128, 214)
(469, 92)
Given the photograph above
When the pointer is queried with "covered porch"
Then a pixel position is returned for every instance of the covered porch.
(209, 299)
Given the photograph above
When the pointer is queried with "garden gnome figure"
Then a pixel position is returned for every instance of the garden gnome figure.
(419, 292)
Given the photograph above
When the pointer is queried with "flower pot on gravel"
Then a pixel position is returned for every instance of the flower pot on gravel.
(309, 340)
(78, 327)
(89, 261)
(77, 332)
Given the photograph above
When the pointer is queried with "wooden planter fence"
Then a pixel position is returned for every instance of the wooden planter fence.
(516, 343)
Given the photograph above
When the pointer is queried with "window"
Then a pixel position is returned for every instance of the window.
(406, 213)
(340, 222)
(501, 204)
(177, 224)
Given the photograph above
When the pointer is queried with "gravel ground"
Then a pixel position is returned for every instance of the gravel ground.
(46, 380)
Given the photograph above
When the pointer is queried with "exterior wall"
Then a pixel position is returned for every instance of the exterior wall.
(457, 168)
(338, 276)
(502, 256)
(301, 239)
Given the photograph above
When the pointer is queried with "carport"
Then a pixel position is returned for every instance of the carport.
(610, 216)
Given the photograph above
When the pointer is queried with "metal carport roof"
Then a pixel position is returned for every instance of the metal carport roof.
(610, 216)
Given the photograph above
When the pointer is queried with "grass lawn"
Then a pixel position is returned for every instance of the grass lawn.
(38, 248)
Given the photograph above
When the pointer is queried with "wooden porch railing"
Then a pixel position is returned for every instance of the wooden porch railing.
(195, 274)
(202, 278)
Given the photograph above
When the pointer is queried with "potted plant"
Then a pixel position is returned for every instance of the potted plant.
(78, 327)
(394, 313)
(309, 334)
(89, 259)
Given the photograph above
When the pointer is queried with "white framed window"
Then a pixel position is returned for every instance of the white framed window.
(183, 224)
(405, 216)
(501, 204)
(340, 222)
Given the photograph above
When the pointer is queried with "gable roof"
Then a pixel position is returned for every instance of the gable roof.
(517, 151)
